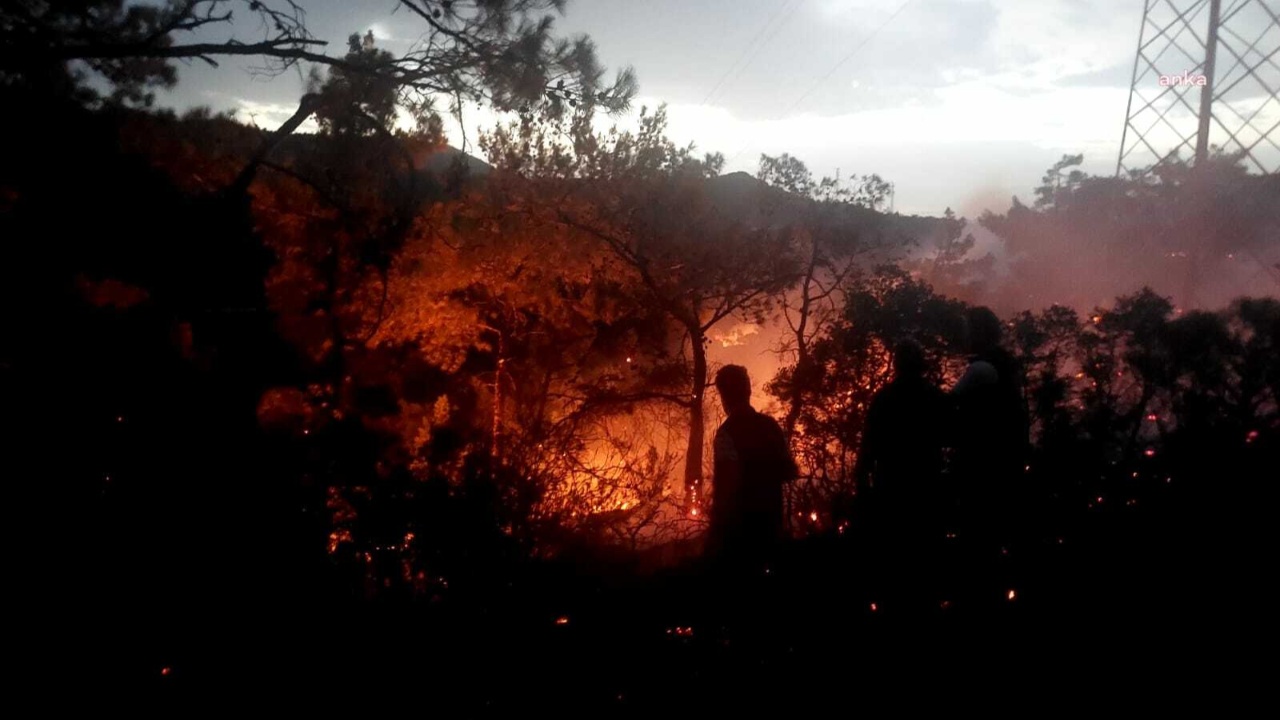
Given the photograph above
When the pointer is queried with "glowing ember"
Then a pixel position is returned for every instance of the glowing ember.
(1150, 452)
(694, 512)
(813, 517)
(873, 607)
(336, 538)
(562, 620)
(166, 671)
(1011, 595)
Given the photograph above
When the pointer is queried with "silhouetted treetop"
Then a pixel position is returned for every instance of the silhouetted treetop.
(502, 52)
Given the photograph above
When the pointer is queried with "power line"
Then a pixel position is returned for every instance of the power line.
(753, 46)
(858, 48)
(849, 57)
(767, 40)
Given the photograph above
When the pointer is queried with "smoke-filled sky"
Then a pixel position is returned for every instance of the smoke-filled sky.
(960, 103)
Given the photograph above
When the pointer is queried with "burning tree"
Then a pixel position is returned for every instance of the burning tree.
(553, 345)
(851, 361)
(835, 225)
(644, 201)
(318, 217)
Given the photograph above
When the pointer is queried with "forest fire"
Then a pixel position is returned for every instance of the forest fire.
(566, 412)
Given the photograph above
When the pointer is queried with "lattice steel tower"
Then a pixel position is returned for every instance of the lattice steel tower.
(1206, 75)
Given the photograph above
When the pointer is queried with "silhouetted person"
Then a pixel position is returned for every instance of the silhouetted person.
(899, 471)
(752, 462)
(990, 438)
(901, 448)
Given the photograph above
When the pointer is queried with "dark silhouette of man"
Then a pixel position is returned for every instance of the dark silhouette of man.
(899, 471)
(752, 463)
(991, 431)
(901, 451)
(990, 439)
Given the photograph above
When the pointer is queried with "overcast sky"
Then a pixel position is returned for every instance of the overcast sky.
(960, 103)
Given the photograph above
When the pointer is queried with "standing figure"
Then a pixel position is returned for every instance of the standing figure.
(990, 440)
(752, 463)
(899, 474)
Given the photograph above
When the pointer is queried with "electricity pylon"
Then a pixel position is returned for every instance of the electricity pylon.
(1204, 76)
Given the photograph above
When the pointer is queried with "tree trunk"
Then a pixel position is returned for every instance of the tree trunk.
(306, 107)
(796, 399)
(697, 431)
(801, 374)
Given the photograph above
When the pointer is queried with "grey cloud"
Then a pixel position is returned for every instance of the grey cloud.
(1114, 76)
